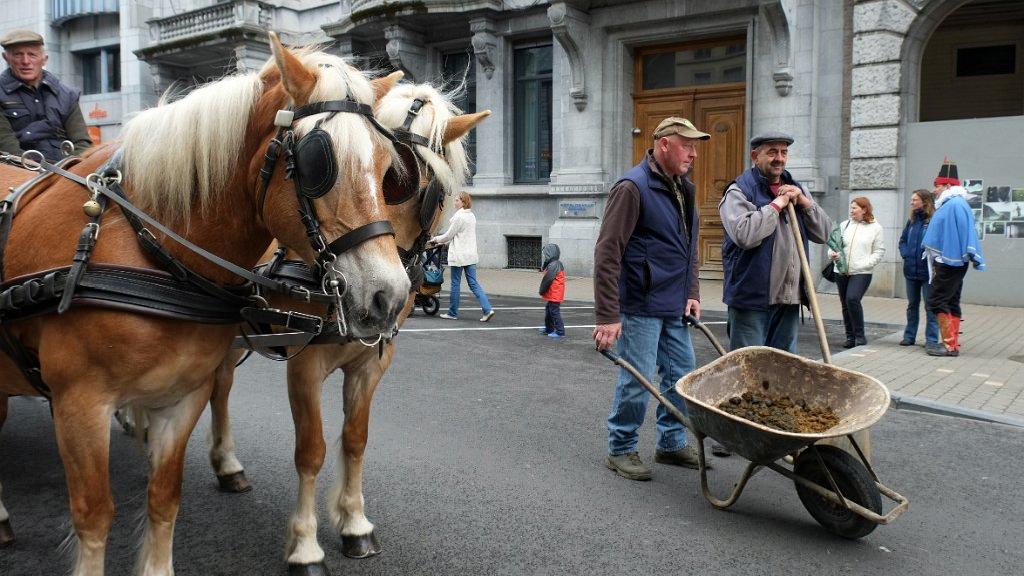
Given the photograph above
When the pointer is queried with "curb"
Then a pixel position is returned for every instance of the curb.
(916, 404)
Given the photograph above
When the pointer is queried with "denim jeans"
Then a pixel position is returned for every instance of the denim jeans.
(649, 344)
(918, 290)
(776, 327)
(456, 287)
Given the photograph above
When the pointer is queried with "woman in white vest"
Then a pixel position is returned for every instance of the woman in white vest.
(462, 257)
(863, 247)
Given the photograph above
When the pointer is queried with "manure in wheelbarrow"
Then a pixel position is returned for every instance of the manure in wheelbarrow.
(781, 412)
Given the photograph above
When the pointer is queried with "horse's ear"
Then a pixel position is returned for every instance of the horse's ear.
(384, 84)
(458, 126)
(296, 79)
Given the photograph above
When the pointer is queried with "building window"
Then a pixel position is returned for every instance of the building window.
(523, 252)
(101, 70)
(986, 60)
(675, 67)
(532, 111)
(460, 74)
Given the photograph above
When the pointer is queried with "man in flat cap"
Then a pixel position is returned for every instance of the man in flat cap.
(645, 280)
(39, 111)
(759, 254)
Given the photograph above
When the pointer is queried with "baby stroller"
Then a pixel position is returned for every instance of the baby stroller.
(433, 277)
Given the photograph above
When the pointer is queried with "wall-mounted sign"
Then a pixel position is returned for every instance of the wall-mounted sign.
(577, 209)
(97, 113)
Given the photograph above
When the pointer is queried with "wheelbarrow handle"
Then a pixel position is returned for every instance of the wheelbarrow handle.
(672, 409)
(707, 332)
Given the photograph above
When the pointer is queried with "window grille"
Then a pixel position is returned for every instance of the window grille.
(523, 252)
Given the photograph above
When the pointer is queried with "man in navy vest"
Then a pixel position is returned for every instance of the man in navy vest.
(645, 280)
(759, 255)
(39, 112)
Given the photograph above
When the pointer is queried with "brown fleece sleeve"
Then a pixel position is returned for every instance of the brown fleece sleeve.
(620, 216)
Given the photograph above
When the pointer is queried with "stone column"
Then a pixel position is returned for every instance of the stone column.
(879, 29)
(251, 55)
(493, 84)
(140, 88)
(577, 176)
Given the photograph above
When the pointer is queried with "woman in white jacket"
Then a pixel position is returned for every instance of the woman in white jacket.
(462, 257)
(863, 246)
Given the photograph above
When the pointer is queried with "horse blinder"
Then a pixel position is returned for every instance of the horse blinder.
(316, 168)
(399, 189)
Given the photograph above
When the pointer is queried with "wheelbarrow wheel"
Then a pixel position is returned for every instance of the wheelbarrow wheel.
(431, 305)
(853, 481)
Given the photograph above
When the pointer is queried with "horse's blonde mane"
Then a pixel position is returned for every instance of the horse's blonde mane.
(184, 152)
(452, 169)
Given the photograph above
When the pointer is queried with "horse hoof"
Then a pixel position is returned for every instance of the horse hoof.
(318, 569)
(235, 483)
(362, 546)
(6, 534)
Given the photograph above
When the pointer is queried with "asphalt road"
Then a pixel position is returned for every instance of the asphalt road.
(485, 457)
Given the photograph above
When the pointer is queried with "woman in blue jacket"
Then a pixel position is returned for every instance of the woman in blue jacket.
(915, 269)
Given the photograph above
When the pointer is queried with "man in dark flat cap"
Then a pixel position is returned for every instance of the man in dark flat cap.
(645, 281)
(759, 254)
(39, 111)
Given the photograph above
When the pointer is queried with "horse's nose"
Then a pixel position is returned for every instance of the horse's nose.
(385, 308)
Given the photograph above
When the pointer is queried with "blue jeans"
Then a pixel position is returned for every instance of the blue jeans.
(649, 344)
(478, 291)
(918, 290)
(776, 327)
(553, 318)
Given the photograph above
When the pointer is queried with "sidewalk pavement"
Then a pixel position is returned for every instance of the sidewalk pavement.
(985, 382)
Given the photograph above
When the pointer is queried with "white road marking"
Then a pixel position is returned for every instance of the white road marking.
(484, 328)
(527, 308)
(498, 328)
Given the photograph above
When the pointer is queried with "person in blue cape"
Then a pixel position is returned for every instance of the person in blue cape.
(950, 245)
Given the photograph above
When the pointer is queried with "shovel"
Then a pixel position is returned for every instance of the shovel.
(862, 437)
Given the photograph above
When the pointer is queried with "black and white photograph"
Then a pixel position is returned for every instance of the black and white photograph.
(997, 194)
(997, 228)
(1014, 229)
(1017, 194)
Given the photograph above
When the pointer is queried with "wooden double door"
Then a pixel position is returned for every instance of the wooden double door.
(718, 110)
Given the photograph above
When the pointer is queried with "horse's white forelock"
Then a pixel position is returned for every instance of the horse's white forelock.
(452, 169)
(184, 152)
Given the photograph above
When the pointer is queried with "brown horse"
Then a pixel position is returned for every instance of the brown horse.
(363, 367)
(194, 164)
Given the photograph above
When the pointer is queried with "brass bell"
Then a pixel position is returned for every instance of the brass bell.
(92, 208)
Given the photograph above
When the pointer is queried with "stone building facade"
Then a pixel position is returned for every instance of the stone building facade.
(876, 93)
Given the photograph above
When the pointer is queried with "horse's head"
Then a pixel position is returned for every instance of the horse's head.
(336, 159)
(432, 131)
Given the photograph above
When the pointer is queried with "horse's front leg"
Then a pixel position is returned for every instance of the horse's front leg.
(81, 418)
(230, 474)
(6, 533)
(346, 498)
(169, 429)
(306, 373)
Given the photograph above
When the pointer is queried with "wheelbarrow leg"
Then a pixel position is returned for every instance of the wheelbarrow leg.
(737, 489)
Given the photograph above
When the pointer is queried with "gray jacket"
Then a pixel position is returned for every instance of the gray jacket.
(748, 226)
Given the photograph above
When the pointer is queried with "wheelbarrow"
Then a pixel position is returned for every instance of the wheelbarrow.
(842, 492)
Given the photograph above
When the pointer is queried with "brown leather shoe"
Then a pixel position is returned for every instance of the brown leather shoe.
(686, 457)
(628, 466)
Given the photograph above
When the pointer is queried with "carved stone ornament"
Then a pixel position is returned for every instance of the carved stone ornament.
(485, 44)
(778, 26)
(570, 28)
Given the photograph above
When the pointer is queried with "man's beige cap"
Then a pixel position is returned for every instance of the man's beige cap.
(20, 37)
(681, 126)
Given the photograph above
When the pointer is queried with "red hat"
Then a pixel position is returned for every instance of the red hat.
(947, 174)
